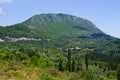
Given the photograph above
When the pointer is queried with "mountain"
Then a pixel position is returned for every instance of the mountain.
(57, 47)
(61, 29)
(54, 26)
(62, 25)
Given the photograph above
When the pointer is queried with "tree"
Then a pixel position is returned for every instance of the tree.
(61, 68)
(31, 51)
(86, 61)
(80, 65)
(88, 52)
(118, 72)
(69, 59)
(73, 65)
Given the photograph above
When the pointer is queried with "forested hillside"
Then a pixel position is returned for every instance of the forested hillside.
(58, 47)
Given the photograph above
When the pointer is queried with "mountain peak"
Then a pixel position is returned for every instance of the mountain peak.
(55, 26)
(51, 18)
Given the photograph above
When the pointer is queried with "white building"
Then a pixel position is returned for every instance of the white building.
(1, 40)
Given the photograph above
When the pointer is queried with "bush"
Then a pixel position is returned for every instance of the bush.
(41, 62)
(91, 74)
(45, 76)
(101, 78)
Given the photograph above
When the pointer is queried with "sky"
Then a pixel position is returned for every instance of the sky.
(105, 14)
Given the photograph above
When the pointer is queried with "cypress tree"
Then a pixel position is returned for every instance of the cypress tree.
(61, 68)
(69, 60)
(118, 72)
(86, 61)
(73, 65)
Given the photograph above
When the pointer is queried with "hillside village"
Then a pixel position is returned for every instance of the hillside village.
(18, 39)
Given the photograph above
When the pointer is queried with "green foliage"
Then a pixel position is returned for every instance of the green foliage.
(118, 72)
(40, 62)
(46, 76)
(73, 65)
(61, 67)
(41, 66)
(80, 66)
(101, 78)
(86, 61)
(69, 60)
(92, 73)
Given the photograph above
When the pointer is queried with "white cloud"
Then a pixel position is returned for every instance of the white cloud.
(4, 1)
(1, 11)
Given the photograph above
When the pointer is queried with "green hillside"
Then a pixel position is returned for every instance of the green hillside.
(61, 25)
(60, 31)
(57, 47)
(53, 26)
(59, 28)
